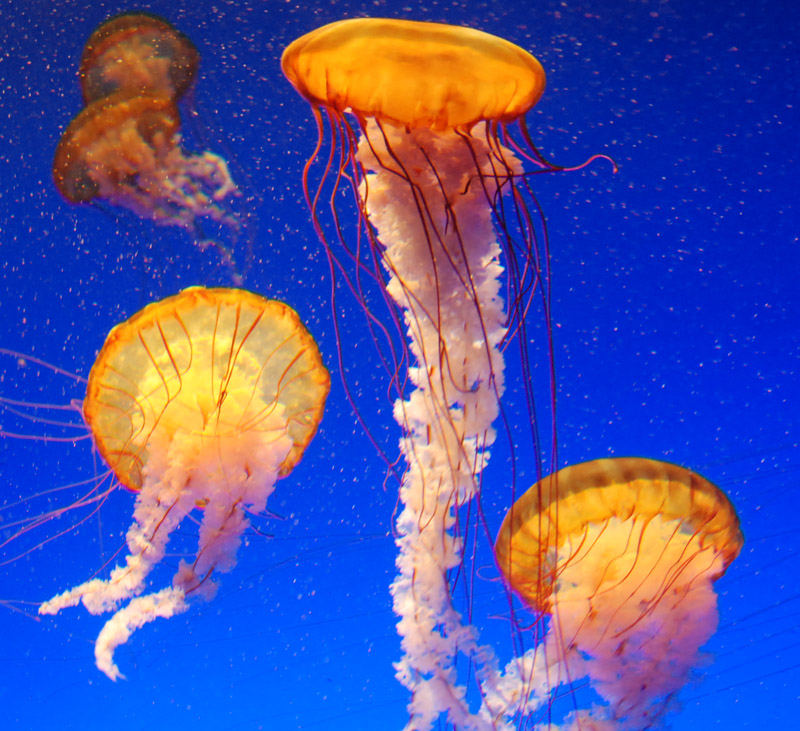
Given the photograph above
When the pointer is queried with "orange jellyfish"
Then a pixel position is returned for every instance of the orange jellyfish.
(140, 54)
(418, 117)
(201, 401)
(622, 555)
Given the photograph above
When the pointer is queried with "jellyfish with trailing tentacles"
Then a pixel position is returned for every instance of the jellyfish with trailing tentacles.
(419, 117)
(138, 53)
(125, 147)
(621, 555)
(201, 401)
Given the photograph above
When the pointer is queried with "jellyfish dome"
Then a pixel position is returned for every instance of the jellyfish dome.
(201, 401)
(622, 554)
(140, 54)
(414, 74)
(126, 149)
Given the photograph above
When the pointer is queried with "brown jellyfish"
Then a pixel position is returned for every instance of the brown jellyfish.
(622, 555)
(125, 146)
(126, 149)
(137, 53)
(201, 401)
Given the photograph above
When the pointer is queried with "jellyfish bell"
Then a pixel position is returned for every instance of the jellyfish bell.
(562, 506)
(204, 400)
(126, 149)
(622, 554)
(137, 53)
(169, 368)
(417, 119)
(366, 65)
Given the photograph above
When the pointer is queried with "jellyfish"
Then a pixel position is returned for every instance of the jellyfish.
(199, 402)
(622, 555)
(140, 54)
(125, 147)
(419, 118)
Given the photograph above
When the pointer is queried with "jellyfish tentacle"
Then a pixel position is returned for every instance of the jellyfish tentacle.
(160, 508)
(448, 415)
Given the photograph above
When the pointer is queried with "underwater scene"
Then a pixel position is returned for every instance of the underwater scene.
(380, 365)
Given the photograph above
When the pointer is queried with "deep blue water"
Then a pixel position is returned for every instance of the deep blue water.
(677, 336)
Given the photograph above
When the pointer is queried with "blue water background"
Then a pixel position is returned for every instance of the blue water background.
(677, 314)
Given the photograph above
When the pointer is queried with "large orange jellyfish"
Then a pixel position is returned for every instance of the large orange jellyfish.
(202, 401)
(622, 555)
(125, 146)
(140, 54)
(419, 119)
